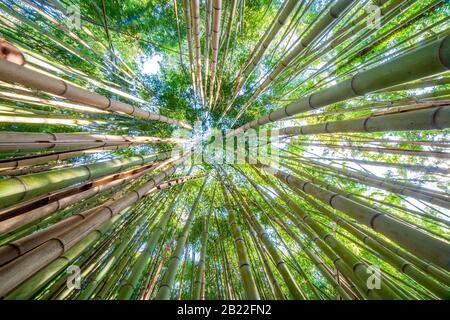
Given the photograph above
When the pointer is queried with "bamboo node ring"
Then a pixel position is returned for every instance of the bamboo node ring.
(365, 123)
(66, 88)
(352, 86)
(24, 185)
(330, 201)
(434, 116)
(356, 265)
(372, 220)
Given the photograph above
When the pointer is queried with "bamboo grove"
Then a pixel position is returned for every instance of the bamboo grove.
(224, 149)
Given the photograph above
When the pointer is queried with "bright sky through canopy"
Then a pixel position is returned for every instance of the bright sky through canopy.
(151, 65)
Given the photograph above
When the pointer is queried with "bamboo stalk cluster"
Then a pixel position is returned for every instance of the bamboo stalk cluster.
(358, 192)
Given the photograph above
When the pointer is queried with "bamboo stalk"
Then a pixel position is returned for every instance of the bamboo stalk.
(263, 44)
(16, 189)
(11, 72)
(187, 18)
(217, 9)
(196, 22)
(29, 287)
(422, 62)
(17, 271)
(129, 285)
(166, 284)
(19, 141)
(334, 12)
(401, 264)
(251, 291)
(421, 244)
(294, 289)
(436, 118)
(316, 260)
(199, 284)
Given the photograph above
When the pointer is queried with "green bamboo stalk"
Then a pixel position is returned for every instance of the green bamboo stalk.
(421, 244)
(166, 284)
(17, 189)
(17, 271)
(11, 224)
(393, 186)
(344, 260)
(195, 5)
(199, 282)
(183, 273)
(274, 285)
(122, 244)
(401, 264)
(11, 72)
(129, 286)
(318, 263)
(207, 41)
(436, 118)
(225, 51)
(358, 198)
(215, 38)
(333, 13)
(187, 18)
(294, 289)
(30, 141)
(31, 286)
(97, 271)
(422, 62)
(251, 291)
